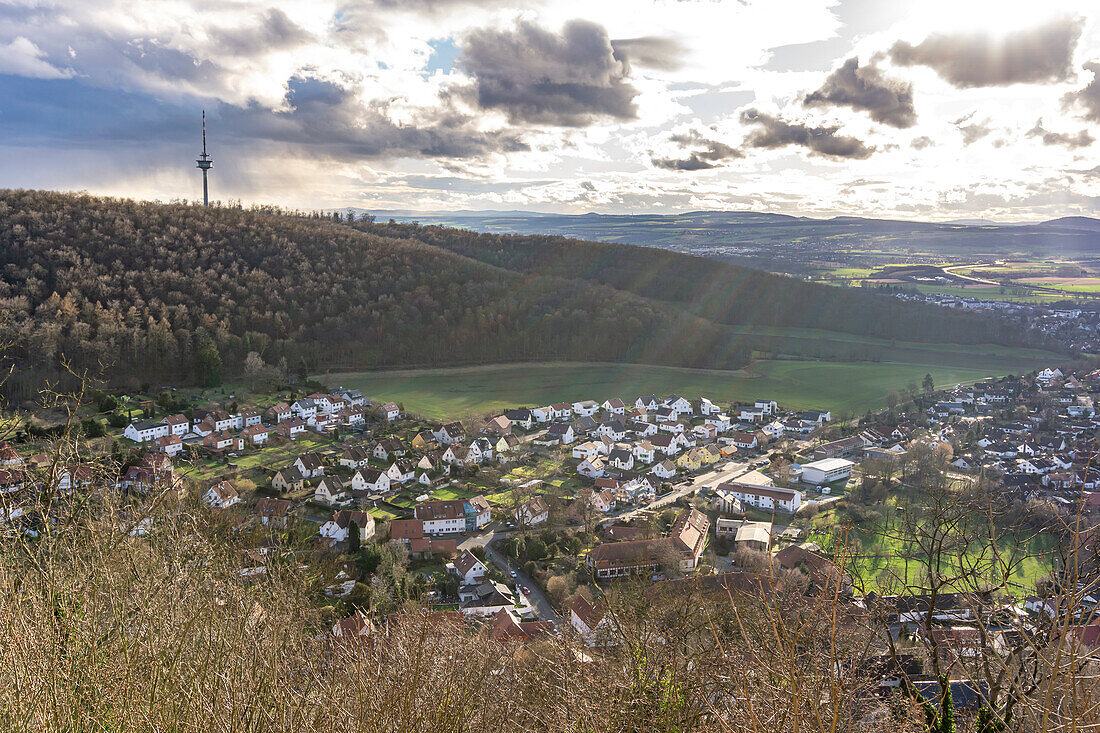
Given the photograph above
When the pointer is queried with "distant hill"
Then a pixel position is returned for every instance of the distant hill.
(149, 289)
(731, 234)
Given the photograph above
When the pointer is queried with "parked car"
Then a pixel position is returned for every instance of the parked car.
(513, 573)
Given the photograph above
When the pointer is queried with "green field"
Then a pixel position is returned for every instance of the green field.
(844, 388)
(878, 561)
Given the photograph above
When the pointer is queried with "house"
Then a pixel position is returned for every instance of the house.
(177, 425)
(292, 427)
(221, 495)
(222, 441)
(521, 417)
(498, 425)
(826, 471)
(758, 491)
(250, 417)
(144, 431)
(531, 512)
(602, 501)
(288, 479)
(644, 451)
(768, 407)
(310, 465)
(684, 546)
(273, 512)
(647, 403)
(485, 598)
(679, 405)
(591, 467)
(562, 432)
(370, 480)
(410, 532)
(468, 568)
(592, 623)
(338, 527)
(168, 444)
(255, 434)
(355, 456)
(455, 515)
(401, 471)
(279, 412)
(507, 444)
(390, 411)
(330, 490)
(753, 536)
(450, 434)
(665, 470)
(505, 628)
(562, 410)
(354, 627)
(615, 406)
(622, 459)
(543, 414)
(304, 408)
(585, 408)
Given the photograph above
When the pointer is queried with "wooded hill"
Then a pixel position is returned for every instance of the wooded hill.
(150, 290)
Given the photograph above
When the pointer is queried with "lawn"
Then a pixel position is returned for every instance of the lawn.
(871, 555)
(844, 388)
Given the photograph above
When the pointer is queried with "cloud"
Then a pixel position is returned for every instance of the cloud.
(22, 57)
(712, 154)
(273, 31)
(652, 52)
(1030, 56)
(329, 118)
(922, 142)
(1087, 98)
(1081, 139)
(567, 79)
(774, 132)
(972, 131)
(865, 88)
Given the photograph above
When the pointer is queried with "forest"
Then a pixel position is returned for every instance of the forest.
(138, 291)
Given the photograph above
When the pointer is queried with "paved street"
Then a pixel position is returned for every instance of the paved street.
(536, 598)
(728, 472)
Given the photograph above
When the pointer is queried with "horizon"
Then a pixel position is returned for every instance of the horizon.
(914, 111)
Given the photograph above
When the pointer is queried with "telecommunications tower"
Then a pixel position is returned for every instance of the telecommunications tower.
(205, 163)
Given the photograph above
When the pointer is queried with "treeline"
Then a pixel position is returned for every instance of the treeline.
(715, 290)
(149, 291)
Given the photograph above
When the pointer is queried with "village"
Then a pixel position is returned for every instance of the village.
(521, 521)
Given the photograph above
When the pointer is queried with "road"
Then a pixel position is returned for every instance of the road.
(537, 599)
(728, 472)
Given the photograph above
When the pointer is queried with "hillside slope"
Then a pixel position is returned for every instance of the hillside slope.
(141, 288)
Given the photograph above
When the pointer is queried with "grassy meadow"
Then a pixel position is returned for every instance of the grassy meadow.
(843, 387)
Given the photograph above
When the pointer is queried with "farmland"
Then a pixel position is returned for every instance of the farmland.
(845, 388)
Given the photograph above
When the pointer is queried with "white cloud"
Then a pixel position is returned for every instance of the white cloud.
(22, 58)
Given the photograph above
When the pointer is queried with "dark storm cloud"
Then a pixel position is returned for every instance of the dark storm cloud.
(867, 89)
(773, 132)
(272, 30)
(568, 79)
(652, 52)
(1080, 139)
(1088, 98)
(1030, 56)
(712, 153)
(329, 119)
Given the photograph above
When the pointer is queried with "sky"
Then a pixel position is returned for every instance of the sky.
(923, 109)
